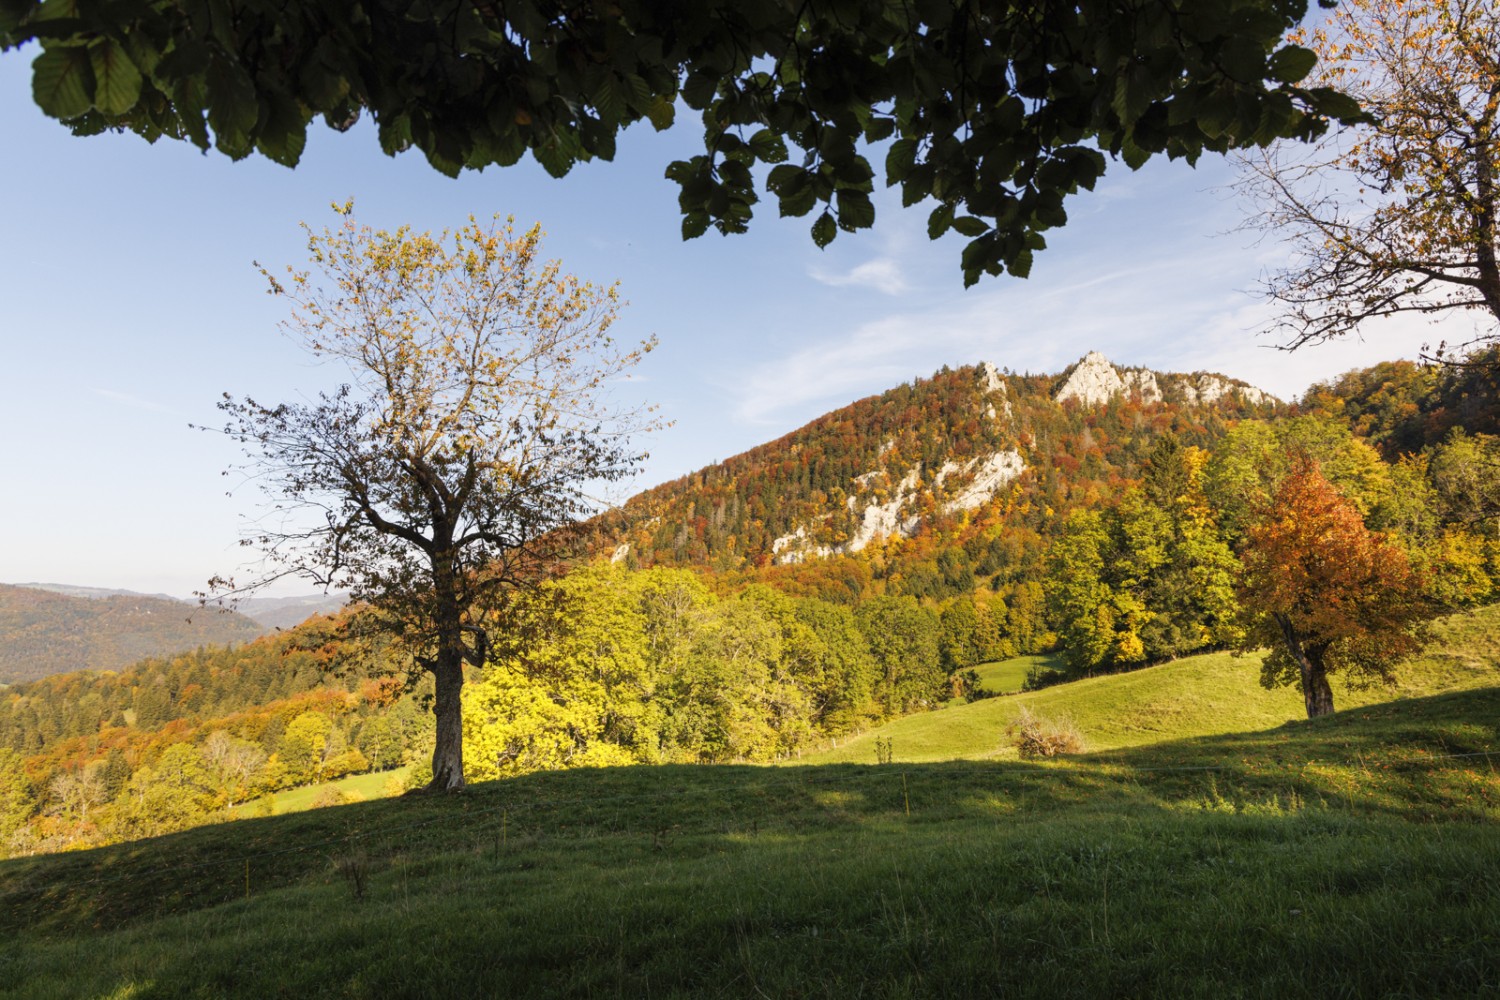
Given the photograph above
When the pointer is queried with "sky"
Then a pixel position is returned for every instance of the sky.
(130, 302)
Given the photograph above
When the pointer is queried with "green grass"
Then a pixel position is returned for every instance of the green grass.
(1008, 676)
(1348, 857)
(356, 787)
(1194, 696)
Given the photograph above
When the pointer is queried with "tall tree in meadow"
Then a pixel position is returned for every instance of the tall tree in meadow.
(1324, 593)
(475, 427)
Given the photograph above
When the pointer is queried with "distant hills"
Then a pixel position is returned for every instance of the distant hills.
(51, 628)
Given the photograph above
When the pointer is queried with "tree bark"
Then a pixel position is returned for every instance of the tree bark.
(447, 707)
(447, 669)
(1317, 695)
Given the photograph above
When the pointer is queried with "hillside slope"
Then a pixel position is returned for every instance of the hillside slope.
(1196, 696)
(43, 632)
(947, 451)
(1299, 862)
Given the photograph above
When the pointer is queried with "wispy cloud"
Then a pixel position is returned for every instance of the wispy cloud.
(1180, 311)
(883, 274)
(135, 402)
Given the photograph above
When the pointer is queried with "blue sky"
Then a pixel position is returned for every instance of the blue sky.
(131, 303)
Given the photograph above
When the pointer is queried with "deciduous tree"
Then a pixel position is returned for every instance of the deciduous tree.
(1323, 592)
(1398, 213)
(474, 428)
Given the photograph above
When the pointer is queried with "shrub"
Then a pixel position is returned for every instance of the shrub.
(1036, 737)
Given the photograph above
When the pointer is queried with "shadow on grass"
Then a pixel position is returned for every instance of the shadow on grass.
(1387, 762)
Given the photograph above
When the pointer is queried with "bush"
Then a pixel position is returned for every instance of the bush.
(1035, 737)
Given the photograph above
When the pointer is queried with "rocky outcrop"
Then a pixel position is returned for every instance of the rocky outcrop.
(958, 486)
(1095, 380)
(987, 476)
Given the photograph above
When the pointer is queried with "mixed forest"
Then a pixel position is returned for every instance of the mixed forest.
(854, 571)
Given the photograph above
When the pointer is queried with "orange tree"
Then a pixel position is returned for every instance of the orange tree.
(1395, 214)
(1323, 592)
(474, 426)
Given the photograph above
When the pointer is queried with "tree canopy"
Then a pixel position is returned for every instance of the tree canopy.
(1325, 593)
(997, 110)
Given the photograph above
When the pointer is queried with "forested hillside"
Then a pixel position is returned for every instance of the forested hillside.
(848, 574)
(936, 483)
(43, 632)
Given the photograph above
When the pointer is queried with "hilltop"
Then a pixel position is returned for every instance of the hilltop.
(954, 453)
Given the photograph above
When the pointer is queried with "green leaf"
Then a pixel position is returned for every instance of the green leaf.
(694, 224)
(232, 108)
(1333, 104)
(1291, 63)
(856, 211)
(768, 146)
(117, 83)
(824, 230)
(798, 204)
(662, 113)
(786, 179)
(609, 100)
(899, 160)
(61, 80)
(970, 226)
(939, 221)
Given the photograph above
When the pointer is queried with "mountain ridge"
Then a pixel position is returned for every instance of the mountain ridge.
(903, 462)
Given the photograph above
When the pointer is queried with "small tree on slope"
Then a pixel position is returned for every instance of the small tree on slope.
(1325, 593)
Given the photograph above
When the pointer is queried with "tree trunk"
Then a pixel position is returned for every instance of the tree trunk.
(447, 706)
(1316, 693)
(447, 666)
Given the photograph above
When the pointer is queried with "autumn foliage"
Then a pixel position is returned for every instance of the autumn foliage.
(1324, 592)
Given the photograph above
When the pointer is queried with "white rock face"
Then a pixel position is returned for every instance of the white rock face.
(1144, 383)
(621, 551)
(1212, 388)
(795, 548)
(989, 378)
(1097, 381)
(990, 475)
(990, 381)
(884, 519)
(985, 477)
(1094, 381)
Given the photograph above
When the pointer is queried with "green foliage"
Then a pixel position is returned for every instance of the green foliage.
(303, 748)
(999, 113)
(1147, 578)
(1403, 407)
(612, 667)
(904, 641)
(174, 792)
(17, 797)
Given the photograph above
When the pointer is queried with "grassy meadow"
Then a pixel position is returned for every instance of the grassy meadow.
(1209, 844)
(1009, 676)
(354, 788)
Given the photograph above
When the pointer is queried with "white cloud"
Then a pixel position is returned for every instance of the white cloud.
(883, 274)
(1183, 309)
